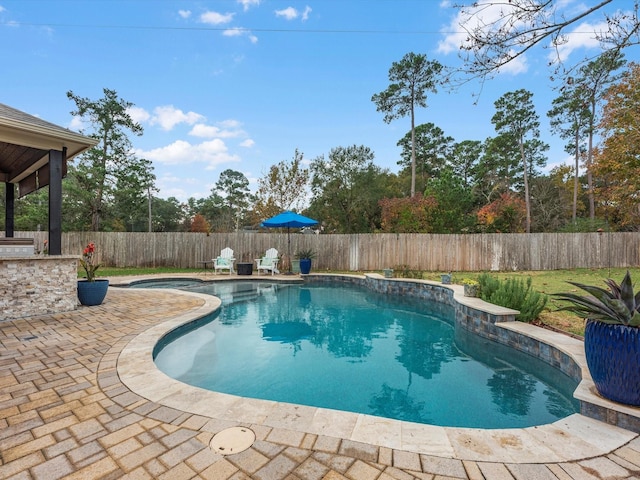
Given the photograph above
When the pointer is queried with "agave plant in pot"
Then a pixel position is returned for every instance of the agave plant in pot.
(305, 256)
(91, 291)
(611, 337)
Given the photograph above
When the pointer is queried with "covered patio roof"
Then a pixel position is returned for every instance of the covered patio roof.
(34, 154)
(25, 143)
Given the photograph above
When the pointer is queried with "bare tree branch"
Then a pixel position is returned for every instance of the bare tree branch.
(499, 32)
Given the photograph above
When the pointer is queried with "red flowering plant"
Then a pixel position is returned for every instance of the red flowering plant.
(87, 262)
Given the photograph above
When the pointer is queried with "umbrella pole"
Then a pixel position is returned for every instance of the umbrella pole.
(289, 250)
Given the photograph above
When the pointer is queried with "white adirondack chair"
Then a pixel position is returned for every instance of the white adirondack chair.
(225, 261)
(268, 263)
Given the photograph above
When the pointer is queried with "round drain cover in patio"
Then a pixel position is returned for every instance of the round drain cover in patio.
(232, 440)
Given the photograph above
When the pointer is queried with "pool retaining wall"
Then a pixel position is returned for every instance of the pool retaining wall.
(498, 324)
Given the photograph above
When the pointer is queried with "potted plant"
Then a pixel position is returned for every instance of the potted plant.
(91, 291)
(471, 287)
(611, 337)
(305, 257)
(295, 265)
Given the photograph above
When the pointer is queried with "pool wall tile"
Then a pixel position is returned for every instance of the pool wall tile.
(480, 319)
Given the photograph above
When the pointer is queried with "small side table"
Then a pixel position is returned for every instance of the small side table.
(244, 268)
(205, 264)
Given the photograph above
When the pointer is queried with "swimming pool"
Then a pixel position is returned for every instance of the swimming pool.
(349, 348)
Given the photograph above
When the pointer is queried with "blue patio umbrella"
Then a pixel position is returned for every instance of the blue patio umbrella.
(290, 220)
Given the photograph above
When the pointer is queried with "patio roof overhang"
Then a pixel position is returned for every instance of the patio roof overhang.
(25, 144)
(34, 154)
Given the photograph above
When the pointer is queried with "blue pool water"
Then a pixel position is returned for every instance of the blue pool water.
(345, 347)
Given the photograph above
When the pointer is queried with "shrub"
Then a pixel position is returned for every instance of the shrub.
(404, 271)
(513, 293)
(488, 285)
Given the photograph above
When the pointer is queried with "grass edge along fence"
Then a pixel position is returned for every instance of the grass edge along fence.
(364, 252)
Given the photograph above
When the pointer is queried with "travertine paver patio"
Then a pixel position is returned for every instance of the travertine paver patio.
(65, 413)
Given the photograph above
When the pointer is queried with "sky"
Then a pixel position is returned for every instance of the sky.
(242, 84)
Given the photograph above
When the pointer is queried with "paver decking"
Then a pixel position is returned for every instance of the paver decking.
(64, 413)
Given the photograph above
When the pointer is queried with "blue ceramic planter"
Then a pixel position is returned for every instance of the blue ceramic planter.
(613, 357)
(92, 293)
(305, 265)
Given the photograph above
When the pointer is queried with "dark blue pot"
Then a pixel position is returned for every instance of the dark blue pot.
(92, 293)
(613, 357)
(305, 265)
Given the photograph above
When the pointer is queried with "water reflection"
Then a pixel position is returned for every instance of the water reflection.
(355, 350)
(398, 403)
(513, 389)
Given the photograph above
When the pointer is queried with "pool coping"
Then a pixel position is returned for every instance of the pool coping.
(573, 438)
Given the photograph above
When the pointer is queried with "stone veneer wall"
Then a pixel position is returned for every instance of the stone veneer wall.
(38, 285)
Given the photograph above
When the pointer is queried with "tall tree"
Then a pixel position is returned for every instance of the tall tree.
(432, 149)
(408, 214)
(345, 190)
(131, 195)
(233, 187)
(500, 31)
(591, 84)
(618, 161)
(550, 204)
(99, 168)
(507, 214)
(497, 169)
(411, 78)
(454, 201)
(569, 117)
(465, 158)
(168, 215)
(284, 187)
(516, 118)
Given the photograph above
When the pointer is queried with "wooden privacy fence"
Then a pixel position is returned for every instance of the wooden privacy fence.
(365, 252)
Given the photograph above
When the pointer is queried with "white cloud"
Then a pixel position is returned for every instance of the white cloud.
(168, 117)
(138, 115)
(181, 188)
(238, 32)
(230, 123)
(204, 131)
(515, 66)
(454, 34)
(184, 13)
(234, 32)
(248, 143)
(288, 13)
(215, 18)
(246, 4)
(305, 14)
(209, 131)
(211, 153)
(582, 36)
(77, 124)
(485, 13)
(2, 9)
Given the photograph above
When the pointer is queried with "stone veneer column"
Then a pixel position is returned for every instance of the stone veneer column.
(37, 285)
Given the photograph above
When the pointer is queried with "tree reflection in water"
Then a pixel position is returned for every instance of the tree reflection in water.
(512, 391)
(353, 349)
(397, 403)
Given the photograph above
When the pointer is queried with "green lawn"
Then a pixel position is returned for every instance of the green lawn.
(555, 281)
(548, 282)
